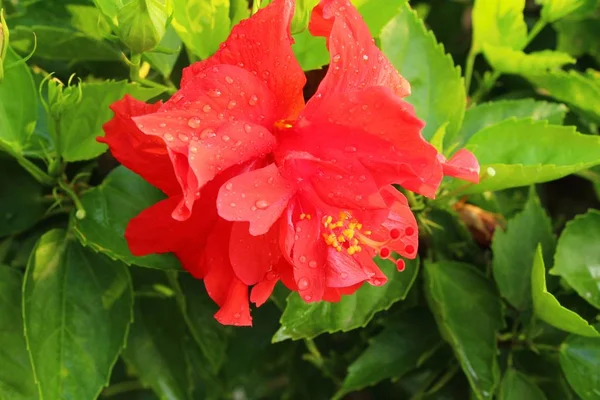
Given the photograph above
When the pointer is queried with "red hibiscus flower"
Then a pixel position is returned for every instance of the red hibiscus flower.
(262, 187)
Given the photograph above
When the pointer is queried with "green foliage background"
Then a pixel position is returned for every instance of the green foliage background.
(502, 303)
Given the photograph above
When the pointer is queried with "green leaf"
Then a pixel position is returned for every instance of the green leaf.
(238, 10)
(487, 114)
(573, 88)
(377, 13)
(18, 110)
(16, 377)
(142, 24)
(201, 24)
(77, 311)
(399, 348)
(499, 23)
(21, 199)
(577, 37)
(162, 62)
(198, 311)
(160, 350)
(548, 309)
(56, 43)
(553, 10)
(517, 386)
(413, 50)
(580, 362)
(510, 61)
(301, 320)
(109, 207)
(310, 51)
(81, 124)
(514, 251)
(468, 315)
(522, 152)
(110, 8)
(578, 256)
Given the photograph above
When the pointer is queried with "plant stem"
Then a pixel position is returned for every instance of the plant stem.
(318, 360)
(469, 69)
(134, 67)
(80, 213)
(122, 387)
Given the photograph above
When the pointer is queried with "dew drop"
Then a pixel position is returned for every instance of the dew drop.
(270, 180)
(193, 149)
(302, 259)
(303, 283)
(350, 149)
(229, 79)
(229, 186)
(308, 297)
(168, 137)
(312, 264)
(237, 315)
(247, 128)
(238, 143)
(183, 138)
(365, 57)
(231, 105)
(232, 204)
(162, 125)
(336, 58)
(140, 126)
(376, 282)
(261, 204)
(206, 108)
(207, 133)
(194, 122)
(214, 93)
(362, 178)
(344, 275)
(225, 138)
(253, 100)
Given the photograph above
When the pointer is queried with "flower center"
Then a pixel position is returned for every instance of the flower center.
(283, 124)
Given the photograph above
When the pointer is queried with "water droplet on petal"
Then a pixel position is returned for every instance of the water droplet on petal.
(168, 137)
(225, 138)
(183, 138)
(253, 100)
(193, 149)
(270, 180)
(162, 125)
(336, 58)
(303, 283)
(350, 149)
(206, 108)
(344, 275)
(207, 133)
(302, 259)
(214, 93)
(232, 204)
(376, 282)
(140, 126)
(248, 128)
(312, 264)
(229, 79)
(194, 122)
(229, 186)
(365, 57)
(261, 204)
(231, 105)
(236, 315)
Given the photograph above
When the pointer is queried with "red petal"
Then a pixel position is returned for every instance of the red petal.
(356, 62)
(144, 155)
(252, 257)
(376, 277)
(343, 270)
(378, 112)
(462, 165)
(334, 295)
(310, 258)
(262, 45)
(236, 309)
(262, 290)
(258, 197)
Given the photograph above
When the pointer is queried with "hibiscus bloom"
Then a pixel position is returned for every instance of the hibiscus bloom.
(262, 187)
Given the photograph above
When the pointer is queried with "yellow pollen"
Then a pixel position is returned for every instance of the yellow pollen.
(305, 216)
(283, 124)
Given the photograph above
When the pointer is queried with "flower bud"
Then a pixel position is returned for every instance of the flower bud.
(302, 15)
(142, 24)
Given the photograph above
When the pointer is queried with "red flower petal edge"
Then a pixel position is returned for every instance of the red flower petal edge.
(262, 188)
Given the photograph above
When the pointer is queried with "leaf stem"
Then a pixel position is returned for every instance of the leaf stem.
(134, 67)
(318, 361)
(80, 213)
(469, 69)
(122, 387)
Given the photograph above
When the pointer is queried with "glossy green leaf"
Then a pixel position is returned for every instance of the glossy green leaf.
(163, 62)
(577, 258)
(508, 160)
(80, 124)
(302, 320)
(414, 51)
(57, 43)
(553, 10)
(238, 10)
(494, 112)
(18, 110)
(399, 348)
(310, 51)
(4, 39)
(548, 309)
(21, 198)
(198, 311)
(377, 13)
(499, 23)
(579, 36)
(16, 377)
(517, 386)
(159, 349)
(468, 315)
(77, 310)
(510, 61)
(201, 24)
(110, 8)
(514, 251)
(109, 207)
(580, 362)
(142, 24)
(573, 88)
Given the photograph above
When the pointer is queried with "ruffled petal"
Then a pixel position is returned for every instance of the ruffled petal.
(252, 257)
(310, 260)
(145, 155)
(259, 197)
(262, 290)
(356, 62)
(236, 309)
(262, 46)
(343, 269)
(376, 111)
(462, 165)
